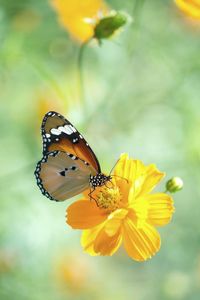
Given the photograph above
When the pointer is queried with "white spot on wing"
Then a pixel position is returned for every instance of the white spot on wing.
(55, 131)
(65, 129)
(73, 129)
(68, 129)
(75, 140)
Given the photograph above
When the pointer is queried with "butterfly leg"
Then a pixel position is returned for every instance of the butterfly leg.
(92, 198)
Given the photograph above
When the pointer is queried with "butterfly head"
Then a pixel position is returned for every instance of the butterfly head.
(99, 180)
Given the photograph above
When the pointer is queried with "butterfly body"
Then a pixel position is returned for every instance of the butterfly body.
(69, 166)
(99, 180)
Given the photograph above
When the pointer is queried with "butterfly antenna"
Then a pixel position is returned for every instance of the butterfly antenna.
(120, 177)
(117, 175)
(113, 167)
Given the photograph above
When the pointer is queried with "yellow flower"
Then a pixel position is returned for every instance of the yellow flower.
(126, 211)
(72, 273)
(190, 7)
(80, 17)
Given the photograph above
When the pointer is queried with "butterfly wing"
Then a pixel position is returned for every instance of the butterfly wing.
(59, 134)
(62, 175)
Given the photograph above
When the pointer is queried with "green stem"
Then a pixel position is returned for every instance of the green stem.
(131, 48)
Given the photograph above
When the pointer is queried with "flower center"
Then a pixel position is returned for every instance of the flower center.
(109, 198)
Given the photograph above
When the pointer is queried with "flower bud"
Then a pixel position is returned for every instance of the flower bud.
(108, 25)
(174, 184)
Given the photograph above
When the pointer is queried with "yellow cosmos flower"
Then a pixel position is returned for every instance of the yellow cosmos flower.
(190, 7)
(80, 17)
(125, 211)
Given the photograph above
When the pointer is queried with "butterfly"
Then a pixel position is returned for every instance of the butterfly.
(68, 166)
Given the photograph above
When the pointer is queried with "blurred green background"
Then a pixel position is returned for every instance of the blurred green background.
(142, 97)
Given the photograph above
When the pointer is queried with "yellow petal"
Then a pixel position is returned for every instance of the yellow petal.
(114, 221)
(88, 239)
(141, 179)
(156, 209)
(84, 214)
(160, 208)
(190, 7)
(125, 175)
(140, 242)
(147, 177)
(125, 167)
(106, 238)
(79, 17)
(107, 245)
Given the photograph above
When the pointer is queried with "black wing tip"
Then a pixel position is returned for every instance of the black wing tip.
(50, 113)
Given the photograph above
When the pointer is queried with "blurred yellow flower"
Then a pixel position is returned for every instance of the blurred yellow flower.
(80, 17)
(190, 7)
(72, 272)
(8, 260)
(125, 212)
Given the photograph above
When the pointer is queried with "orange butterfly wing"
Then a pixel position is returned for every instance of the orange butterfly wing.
(59, 134)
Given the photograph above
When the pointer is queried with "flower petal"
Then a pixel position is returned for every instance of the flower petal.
(141, 179)
(160, 208)
(114, 221)
(88, 238)
(152, 177)
(190, 8)
(140, 242)
(79, 17)
(106, 238)
(84, 214)
(107, 245)
(146, 178)
(125, 175)
(156, 209)
(125, 167)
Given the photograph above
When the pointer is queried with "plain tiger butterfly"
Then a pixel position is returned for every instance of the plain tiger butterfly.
(69, 166)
